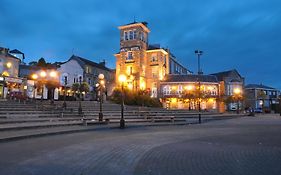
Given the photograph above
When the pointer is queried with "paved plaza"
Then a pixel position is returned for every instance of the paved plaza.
(247, 145)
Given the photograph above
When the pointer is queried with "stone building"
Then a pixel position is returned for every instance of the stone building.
(143, 64)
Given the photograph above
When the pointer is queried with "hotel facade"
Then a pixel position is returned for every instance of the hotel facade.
(143, 64)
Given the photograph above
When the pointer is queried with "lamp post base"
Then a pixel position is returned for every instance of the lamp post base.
(199, 118)
(100, 117)
(80, 109)
(122, 123)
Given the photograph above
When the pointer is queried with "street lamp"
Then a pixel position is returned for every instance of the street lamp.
(122, 79)
(80, 107)
(101, 86)
(64, 92)
(199, 53)
(237, 93)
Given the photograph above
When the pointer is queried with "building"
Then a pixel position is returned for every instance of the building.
(18, 54)
(77, 67)
(143, 64)
(10, 83)
(231, 83)
(259, 96)
(182, 92)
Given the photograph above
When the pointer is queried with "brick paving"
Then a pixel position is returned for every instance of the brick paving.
(248, 145)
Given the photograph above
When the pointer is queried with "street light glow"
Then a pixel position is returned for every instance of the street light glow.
(101, 76)
(237, 91)
(9, 65)
(122, 78)
(34, 76)
(43, 74)
(53, 74)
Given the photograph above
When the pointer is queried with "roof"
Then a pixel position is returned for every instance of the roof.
(191, 78)
(16, 51)
(221, 75)
(83, 61)
(135, 22)
(257, 86)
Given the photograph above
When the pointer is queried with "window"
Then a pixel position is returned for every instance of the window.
(129, 56)
(125, 35)
(167, 90)
(154, 73)
(135, 34)
(180, 89)
(129, 70)
(153, 58)
(141, 36)
(131, 35)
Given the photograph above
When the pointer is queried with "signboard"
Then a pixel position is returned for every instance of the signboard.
(13, 80)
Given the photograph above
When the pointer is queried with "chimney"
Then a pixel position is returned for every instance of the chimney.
(102, 62)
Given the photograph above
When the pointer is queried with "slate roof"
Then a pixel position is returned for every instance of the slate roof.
(257, 86)
(191, 78)
(83, 61)
(135, 22)
(16, 51)
(221, 75)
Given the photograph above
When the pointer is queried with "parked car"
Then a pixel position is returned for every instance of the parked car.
(258, 110)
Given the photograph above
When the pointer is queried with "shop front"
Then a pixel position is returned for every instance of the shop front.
(11, 87)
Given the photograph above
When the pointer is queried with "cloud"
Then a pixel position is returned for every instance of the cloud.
(233, 34)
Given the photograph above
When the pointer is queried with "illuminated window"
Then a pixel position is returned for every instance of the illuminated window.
(167, 90)
(129, 70)
(154, 72)
(180, 89)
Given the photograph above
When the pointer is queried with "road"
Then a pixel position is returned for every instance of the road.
(248, 145)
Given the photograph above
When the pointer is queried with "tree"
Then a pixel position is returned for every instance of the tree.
(77, 88)
(42, 63)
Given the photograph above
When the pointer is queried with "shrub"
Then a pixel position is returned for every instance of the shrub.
(135, 98)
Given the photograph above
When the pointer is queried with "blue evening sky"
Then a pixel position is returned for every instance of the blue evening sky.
(234, 34)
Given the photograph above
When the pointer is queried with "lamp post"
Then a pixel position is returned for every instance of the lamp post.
(101, 86)
(199, 53)
(80, 107)
(64, 92)
(237, 93)
(122, 79)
